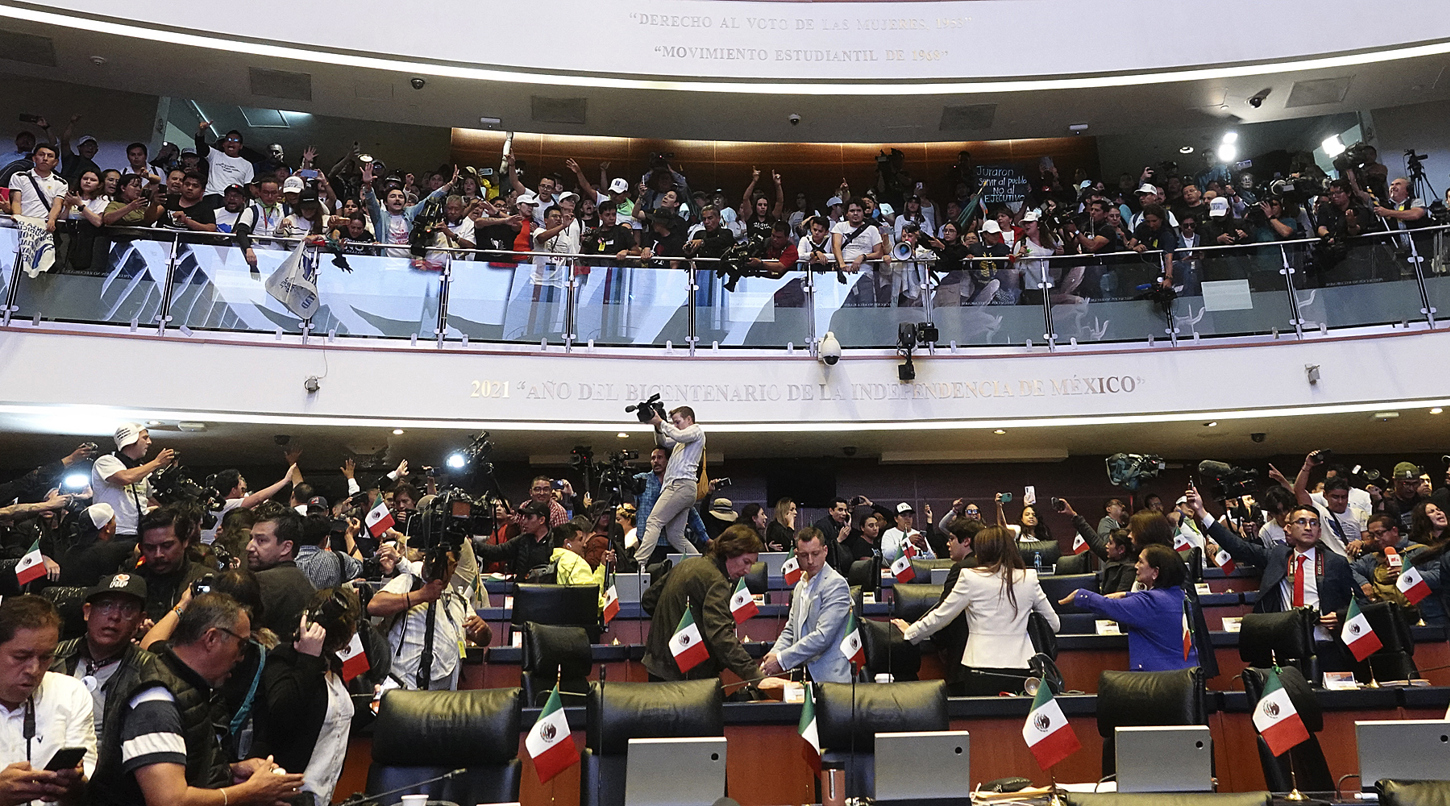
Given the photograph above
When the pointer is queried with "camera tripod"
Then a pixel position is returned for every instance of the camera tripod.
(1420, 187)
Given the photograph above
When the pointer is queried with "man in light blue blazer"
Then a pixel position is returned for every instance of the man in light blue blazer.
(819, 607)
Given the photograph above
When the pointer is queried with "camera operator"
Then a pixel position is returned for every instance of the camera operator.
(121, 478)
(1341, 216)
(1157, 232)
(442, 587)
(166, 534)
(709, 239)
(678, 485)
(1402, 212)
(610, 238)
(653, 483)
(530, 549)
(392, 217)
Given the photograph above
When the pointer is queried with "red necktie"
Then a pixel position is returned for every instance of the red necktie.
(1298, 600)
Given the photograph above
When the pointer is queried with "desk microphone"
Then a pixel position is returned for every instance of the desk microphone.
(360, 798)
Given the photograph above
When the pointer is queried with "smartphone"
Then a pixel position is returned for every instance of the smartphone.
(24, 118)
(1006, 498)
(1059, 505)
(65, 758)
(308, 173)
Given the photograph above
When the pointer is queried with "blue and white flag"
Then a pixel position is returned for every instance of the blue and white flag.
(294, 283)
(37, 247)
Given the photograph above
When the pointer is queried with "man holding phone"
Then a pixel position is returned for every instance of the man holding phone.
(44, 716)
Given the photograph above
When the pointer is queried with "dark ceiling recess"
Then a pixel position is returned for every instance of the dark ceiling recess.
(27, 48)
(1319, 91)
(558, 110)
(973, 117)
(281, 84)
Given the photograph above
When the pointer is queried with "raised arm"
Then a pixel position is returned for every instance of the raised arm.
(589, 191)
(779, 210)
(747, 206)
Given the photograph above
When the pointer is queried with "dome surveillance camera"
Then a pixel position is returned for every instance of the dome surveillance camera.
(795, 120)
(849, 450)
(1258, 436)
(1256, 101)
(829, 351)
(417, 83)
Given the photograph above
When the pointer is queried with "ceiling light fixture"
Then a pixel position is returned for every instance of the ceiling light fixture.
(999, 431)
(1212, 424)
(622, 435)
(397, 432)
(1185, 150)
(1230, 137)
(1227, 152)
(1437, 410)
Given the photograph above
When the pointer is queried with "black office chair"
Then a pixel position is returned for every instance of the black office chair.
(423, 734)
(1395, 658)
(922, 569)
(619, 712)
(888, 651)
(1056, 587)
(563, 605)
(848, 735)
(1074, 564)
(867, 574)
(1049, 550)
(553, 653)
(1170, 799)
(910, 602)
(1138, 699)
(68, 600)
(757, 579)
(1309, 765)
(1286, 638)
(1413, 793)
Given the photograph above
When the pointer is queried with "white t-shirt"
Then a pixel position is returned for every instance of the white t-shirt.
(893, 543)
(208, 536)
(226, 221)
(1032, 270)
(127, 502)
(1349, 523)
(97, 205)
(464, 230)
(862, 244)
(63, 718)
(30, 204)
(262, 220)
(226, 171)
(398, 232)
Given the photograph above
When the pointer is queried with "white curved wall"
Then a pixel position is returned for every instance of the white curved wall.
(864, 41)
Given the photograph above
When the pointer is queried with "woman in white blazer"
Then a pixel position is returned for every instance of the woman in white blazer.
(997, 597)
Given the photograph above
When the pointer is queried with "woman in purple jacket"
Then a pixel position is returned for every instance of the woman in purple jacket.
(1152, 614)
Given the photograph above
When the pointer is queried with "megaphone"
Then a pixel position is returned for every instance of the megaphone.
(901, 251)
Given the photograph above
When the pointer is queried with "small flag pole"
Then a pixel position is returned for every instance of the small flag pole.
(1055, 799)
(1294, 796)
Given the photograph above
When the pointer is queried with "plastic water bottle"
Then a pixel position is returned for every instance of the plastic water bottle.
(1037, 562)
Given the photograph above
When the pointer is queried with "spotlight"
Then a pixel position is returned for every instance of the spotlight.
(456, 461)
(999, 432)
(1227, 152)
(397, 432)
(1437, 410)
(75, 482)
(622, 435)
(1230, 137)
(1185, 150)
(1333, 146)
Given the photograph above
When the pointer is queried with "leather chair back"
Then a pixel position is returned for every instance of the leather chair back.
(1137, 699)
(867, 575)
(1049, 549)
(922, 569)
(911, 601)
(1286, 637)
(1413, 793)
(68, 600)
(1395, 658)
(878, 708)
(1308, 764)
(423, 734)
(1074, 564)
(756, 579)
(1056, 587)
(555, 654)
(888, 651)
(619, 712)
(566, 605)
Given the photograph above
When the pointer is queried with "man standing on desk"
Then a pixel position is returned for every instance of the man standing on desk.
(677, 496)
(819, 607)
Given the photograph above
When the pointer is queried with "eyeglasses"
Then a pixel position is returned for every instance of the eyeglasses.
(114, 606)
(242, 642)
(1309, 522)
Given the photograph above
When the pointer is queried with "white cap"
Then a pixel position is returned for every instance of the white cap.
(568, 194)
(528, 198)
(85, 138)
(904, 508)
(293, 184)
(833, 201)
(1147, 188)
(99, 514)
(619, 185)
(991, 225)
(1031, 215)
(128, 433)
(1217, 207)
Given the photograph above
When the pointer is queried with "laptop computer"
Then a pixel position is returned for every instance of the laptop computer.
(1403, 749)
(939, 576)
(630, 587)
(1177, 758)
(923, 765)
(671, 772)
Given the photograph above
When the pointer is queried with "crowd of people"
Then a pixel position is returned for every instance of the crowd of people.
(246, 610)
(901, 231)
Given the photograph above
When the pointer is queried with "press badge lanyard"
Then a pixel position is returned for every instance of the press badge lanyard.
(1318, 566)
(28, 726)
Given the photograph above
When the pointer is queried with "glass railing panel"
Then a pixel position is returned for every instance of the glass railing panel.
(764, 311)
(867, 308)
(119, 279)
(1369, 282)
(1106, 298)
(1233, 291)
(634, 305)
(1434, 248)
(988, 302)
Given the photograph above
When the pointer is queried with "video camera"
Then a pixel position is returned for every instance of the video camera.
(735, 262)
(441, 526)
(173, 485)
(1226, 480)
(1355, 157)
(645, 410)
(1129, 470)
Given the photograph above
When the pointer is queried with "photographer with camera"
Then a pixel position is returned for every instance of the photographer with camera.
(708, 239)
(438, 592)
(1340, 216)
(668, 517)
(1158, 232)
(121, 479)
(652, 483)
(166, 535)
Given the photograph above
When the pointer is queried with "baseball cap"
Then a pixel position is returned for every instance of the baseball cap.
(130, 432)
(85, 138)
(1217, 208)
(1182, 499)
(293, 184)
(1406, 470)
(238, 188)
(568, 194)
(833, 201)
(535, 508)
(1147, 188)
(307, 195)
(98, 515)
(124, 584)
(904, 508)
(723, 509)
(991, 226)
(1031, 215)
(528, 198)
(619, 185)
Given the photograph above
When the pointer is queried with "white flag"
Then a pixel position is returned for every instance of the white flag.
(37, 247)
(294, 283)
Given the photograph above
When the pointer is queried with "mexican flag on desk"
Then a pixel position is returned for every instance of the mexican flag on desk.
(1276, 719)
(1358, 635)
(1225, 561)
(550, 744)
(851, 645)
(901, 569)
(611, 602)
(1410, 583)
(686, 644)
(354, 659)
(1047, 732)
(1079, 545)
(812, 748)
(378, 519)
(791, 570)
(742, 603)
(32, 566)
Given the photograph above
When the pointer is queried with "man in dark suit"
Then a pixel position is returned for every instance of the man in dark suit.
(951, 641)
(1300, 573)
